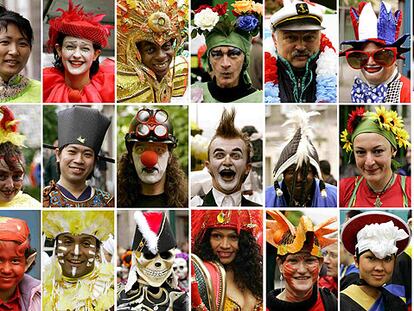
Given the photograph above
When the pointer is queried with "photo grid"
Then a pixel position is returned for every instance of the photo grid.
(205, 155)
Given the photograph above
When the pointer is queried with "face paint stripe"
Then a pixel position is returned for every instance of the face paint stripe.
(76, 249)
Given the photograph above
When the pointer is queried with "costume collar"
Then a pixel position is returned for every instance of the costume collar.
(13, 88)
(395, 75)
(227, 95)
(219, 197)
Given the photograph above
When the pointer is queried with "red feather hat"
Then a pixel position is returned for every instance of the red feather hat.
(76, 22)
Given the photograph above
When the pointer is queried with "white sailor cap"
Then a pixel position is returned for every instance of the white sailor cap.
(297, 16)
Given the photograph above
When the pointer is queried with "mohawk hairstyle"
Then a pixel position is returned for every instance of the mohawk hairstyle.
(226, 129)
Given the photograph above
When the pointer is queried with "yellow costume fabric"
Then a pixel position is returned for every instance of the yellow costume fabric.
(22, 200)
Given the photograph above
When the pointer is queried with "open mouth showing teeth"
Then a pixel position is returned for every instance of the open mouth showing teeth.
(155, 273)
(227, 174)
(162, 66)
(75, 262)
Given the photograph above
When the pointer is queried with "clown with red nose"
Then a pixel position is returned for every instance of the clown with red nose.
(150, 141)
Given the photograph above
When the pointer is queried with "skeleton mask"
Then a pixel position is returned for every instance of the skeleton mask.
(155, 269)
(180, 268)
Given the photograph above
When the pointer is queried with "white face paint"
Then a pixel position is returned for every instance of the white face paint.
(76, 250)
(74, 271)
(77, 55)
(155, 174)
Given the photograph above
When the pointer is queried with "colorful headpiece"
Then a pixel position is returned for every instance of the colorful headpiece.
(77, 23)
(153, 233)
(222, 26)
(151, 125)
(297, 15)
(99, 224)
(287, 239)
(16, 230)
(9, 129)
(383, 30)
(156, 21)
(382, 233)
(246, 220)
(386, 123)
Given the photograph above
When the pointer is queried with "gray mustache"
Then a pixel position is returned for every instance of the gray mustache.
(297, 53)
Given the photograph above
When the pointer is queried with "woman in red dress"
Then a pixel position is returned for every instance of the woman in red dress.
(373, 139)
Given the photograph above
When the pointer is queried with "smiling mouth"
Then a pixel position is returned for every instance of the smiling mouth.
(74, 262)
(302, 278)
(373, 69)
(12, 62)
(76, 64)
(161, 67)
(224, 255)
(77, 170)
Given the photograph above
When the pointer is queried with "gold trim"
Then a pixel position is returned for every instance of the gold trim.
(358, 295)
(296, 17)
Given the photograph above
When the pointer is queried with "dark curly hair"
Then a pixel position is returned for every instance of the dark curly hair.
(58, 60)
(176, 183)
(247, 265)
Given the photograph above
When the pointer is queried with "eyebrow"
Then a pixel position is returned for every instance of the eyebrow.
(237, 149)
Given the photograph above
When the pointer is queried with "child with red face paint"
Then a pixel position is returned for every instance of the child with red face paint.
(299, 258)
(149, 173)
(18, 291)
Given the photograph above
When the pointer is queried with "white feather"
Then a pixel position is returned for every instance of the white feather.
(151, 238)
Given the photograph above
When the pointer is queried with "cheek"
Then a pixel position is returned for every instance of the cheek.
(314, 271)
(288, 270)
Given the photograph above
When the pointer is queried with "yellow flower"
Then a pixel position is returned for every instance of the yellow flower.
(345, 138)
(396, 121)
(241, 7)
(382, 116)
(402, 138)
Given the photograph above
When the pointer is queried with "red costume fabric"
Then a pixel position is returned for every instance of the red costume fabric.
(13, 304)
(99, 90)
(365, 197)
(405, 95)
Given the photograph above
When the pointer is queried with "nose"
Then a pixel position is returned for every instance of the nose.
(161, 54)
(379, 265)
(79, 158)
(301, 266)
(77, 52)
(8, 183)
(225, 62)
(5, 268)
(227, 160)
(225, 243)
(149, 158)
(13, 49)
(369, 160)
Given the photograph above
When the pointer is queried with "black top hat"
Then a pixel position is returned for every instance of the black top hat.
(82, 126)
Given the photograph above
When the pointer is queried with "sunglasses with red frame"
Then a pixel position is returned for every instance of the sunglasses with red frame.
(384, 57)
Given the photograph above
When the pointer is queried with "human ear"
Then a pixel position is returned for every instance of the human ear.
(58, 49)
(96, 54)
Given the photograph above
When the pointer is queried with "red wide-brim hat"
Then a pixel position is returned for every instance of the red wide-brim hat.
(356, 223)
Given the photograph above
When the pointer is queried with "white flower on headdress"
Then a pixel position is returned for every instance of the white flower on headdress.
(206, 19)
(380, 239)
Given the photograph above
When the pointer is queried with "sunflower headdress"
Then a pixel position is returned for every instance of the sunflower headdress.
(386, 123)
(288, 239)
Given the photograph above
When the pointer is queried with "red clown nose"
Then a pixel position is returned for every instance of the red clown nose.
(149, 158)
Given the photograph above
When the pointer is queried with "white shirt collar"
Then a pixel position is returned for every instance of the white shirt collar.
(219, 197)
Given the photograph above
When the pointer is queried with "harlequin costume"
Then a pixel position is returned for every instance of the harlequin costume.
(355, 191)
(208, 285)
(9, 134)
(75, 22)
(236, 31)
(151, 284)
(306, 237)
(93, 291)
(314, 83)
(86, 127)
(384, 31)
(383, 234)
(300, 152)
(27, 295)
(158, 22)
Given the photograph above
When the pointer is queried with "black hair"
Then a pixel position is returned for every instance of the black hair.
(325, 167)
(7, 17)
(247, 265)
(58, 60)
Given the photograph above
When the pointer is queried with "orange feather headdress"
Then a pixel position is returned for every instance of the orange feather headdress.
(288, 239)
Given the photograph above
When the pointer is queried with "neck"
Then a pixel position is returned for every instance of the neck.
(370, 291)
(5, 295)
(291, 295)
(77, 82)
(75, 189)
(382, 184)
(153, 189)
